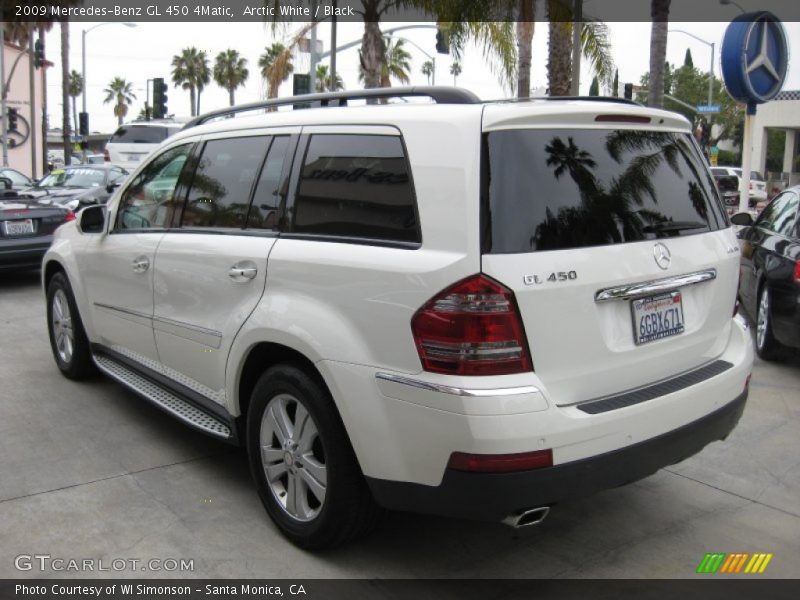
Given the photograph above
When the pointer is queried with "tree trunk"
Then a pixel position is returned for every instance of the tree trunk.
(65, 92)
(372, 46)
(559, 58)
(44, 107)
(230, 96)
(525, 26)
(199, 91)
(193, 100)
(659, 12)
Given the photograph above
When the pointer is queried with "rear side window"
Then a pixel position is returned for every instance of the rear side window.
(138, 134)
(356, 186)
(557, 189)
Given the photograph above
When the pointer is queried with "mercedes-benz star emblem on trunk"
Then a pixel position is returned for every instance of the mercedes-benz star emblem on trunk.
(662, 256)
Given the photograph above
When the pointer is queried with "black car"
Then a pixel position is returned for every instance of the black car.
(17, 180)
(78, 186)
(26, 230)
(769, 276)
(728, 186)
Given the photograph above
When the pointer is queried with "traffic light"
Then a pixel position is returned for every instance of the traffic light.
(442, 41)
(38, 53)
(13, 124)
(159, 98)
(629, 91)
(83, 123)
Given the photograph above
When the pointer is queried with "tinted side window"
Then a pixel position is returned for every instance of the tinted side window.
(148, 201)
(570, 188)
(769, 216)
(267, 198)
(356, 186)
(784, 222)
(219, 193)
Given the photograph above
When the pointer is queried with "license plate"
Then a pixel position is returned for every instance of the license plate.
(134, 157)
(22, 227)
(657, 317)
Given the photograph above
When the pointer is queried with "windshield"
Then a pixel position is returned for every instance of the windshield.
(77, 178)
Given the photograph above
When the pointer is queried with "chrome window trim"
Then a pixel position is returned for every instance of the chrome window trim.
(456, 391)
(635, 290)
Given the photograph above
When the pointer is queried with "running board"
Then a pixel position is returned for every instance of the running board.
(163, 398)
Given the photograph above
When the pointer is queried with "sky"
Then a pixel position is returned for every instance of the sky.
(145, 51)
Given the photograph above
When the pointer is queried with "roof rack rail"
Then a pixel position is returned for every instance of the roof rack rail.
(439, 94)
(609, 99)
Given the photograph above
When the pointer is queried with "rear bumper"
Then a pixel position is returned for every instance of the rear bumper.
(23, 253)
(493, 496)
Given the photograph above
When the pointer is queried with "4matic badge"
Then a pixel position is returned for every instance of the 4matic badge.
(554, 277)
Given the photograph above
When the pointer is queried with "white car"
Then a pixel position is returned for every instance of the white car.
(758, 186)
(132, 142)
(460, 308)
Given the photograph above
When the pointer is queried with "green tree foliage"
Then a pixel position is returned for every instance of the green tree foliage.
(190, 71)
(324, 80)
(594, 89)
(230, 71)
(121, 93)
(687, 60)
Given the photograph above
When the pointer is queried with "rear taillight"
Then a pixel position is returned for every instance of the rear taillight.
(70, 216)
(472, 328)
(106, 156)
(501, 463)
(797, 271)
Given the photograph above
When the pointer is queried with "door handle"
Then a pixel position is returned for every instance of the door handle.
(243, 271)
(141, 264)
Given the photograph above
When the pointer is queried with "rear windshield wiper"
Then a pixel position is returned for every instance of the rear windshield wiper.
(674, 226)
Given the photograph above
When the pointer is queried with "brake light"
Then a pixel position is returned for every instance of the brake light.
(70, 216)
(106, 156)
(797, 271)
(472, 328)
(501, 463)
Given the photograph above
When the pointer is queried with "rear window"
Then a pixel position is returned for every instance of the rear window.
(557, 189)
(139, 134)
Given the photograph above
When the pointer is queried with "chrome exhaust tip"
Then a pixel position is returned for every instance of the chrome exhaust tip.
(527, 518)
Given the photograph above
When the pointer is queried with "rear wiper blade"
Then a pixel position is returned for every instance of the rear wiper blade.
(674, 226)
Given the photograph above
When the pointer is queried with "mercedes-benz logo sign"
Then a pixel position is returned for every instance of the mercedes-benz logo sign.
(662, 256)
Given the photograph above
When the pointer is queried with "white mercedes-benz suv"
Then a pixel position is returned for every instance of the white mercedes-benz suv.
(454, 307)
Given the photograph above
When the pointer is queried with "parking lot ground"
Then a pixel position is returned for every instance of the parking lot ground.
(88, 470)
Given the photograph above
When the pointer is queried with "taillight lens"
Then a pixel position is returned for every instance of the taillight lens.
(472, 328)
(106, 156)
(70, 216)
(797, 271)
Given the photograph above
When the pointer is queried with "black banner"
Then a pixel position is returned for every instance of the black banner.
(398, 589)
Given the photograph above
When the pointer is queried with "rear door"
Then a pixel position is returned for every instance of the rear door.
(211, 267)
(574, 218)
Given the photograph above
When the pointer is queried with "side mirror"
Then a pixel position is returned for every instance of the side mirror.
(743, 219)
(112, 186)
(92, 219)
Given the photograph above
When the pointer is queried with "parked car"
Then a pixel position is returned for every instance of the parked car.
(769, 284)
(26, 231)
(728, 186)
(78, 186)
(460, 308)
(18, 180)
(758, 186)
(132, 142)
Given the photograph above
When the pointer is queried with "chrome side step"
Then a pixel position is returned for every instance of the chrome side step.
(162, 397)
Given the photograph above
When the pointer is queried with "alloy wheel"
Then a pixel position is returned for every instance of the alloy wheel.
(762, 321)
(61, 323)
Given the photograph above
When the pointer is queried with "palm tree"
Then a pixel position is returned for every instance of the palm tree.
(75, 85)
(324, 80)
(659, 12)
(190, 71)
(65, 91)
(276, 67)
(230, 71)
(121, 92)
(396, 64)
(525, 25)
(455, 71)
(427, 69)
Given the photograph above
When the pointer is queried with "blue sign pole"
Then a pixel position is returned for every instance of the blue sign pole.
(754, 58)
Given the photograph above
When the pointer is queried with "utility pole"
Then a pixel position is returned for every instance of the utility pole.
(333, 48)
(312, 70)
(3, 91)
(32, 104)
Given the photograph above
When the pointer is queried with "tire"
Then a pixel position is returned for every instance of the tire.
(68, 339)
(767, 347)
(309, 480)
